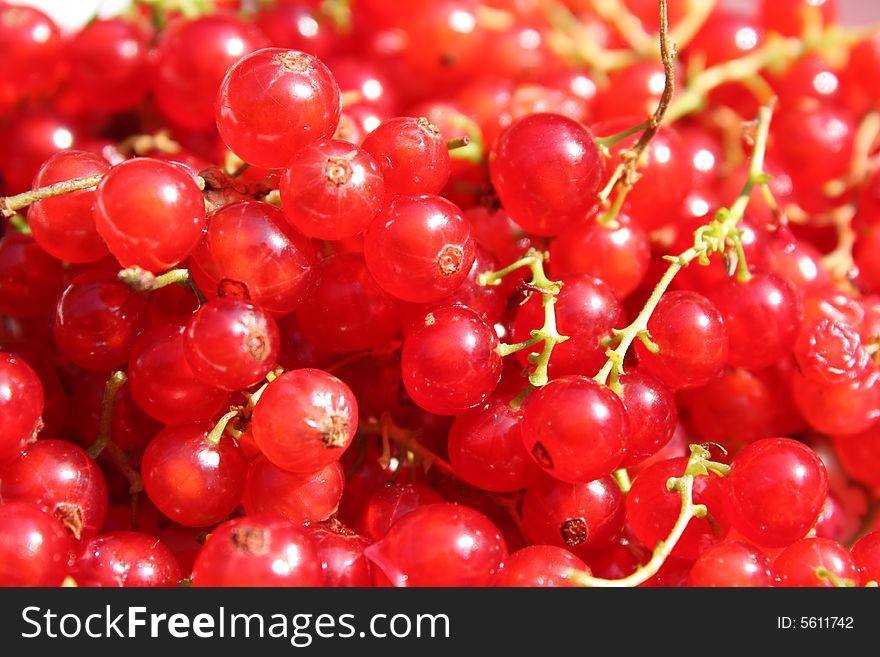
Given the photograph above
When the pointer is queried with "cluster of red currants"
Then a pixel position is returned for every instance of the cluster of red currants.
(342, 294)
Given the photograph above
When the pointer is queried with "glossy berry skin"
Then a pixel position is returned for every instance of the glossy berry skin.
(305, 420)
(859, 454)
(539, 566)
(652, 415)
(838, 409)
(419, 248)
(618, 256)
(342, 554)
(348, 311)
(150, 213)
(732, 563)
(390, 503)
(440, 545)
(866, 554)
(190, 61)
(30, 279)
(110, 63)
(547, 170)
(164, 385)
(450, 361)
(332, 190)
(775, 491)
(830, 350)
(761, 316)
(191, 480)
(572, 515)
(796, 565)
(486, 447)
(97, 320)
(586, 311)
(789, 17)
(692, 338)
(21, 405)
(126, 559)
(34, 547)
(576, 429)
(60, 478)
(250, 250)
(652, 509)
(231, 344)
(274, 102)
(34, 61)
(411, 154)
(64, 226)
(262, 550)
(298, 497)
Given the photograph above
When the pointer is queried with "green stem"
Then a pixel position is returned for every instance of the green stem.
(19, 224)
(9, 204)
(105, 425)
(141, 280)
(685, 487)
(216, 433)
(610, 140)
(622, 478)
(712, 237)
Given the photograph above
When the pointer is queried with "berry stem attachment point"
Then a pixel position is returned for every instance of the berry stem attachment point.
(141, 280)
(10, 204)
(457, 142)
(216, 434)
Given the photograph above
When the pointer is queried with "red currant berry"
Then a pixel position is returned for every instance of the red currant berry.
(652, 509)
(258, 551)
(332, 190)
(866, 554)
(64, 226)
(34, 548)
(540, 566)
(21, 406)
(348, 311)
(797, 565)
(411, 154)
(150, 213)
(831, 351)
(250, 250)
(126, 559)
(440, 545)
(419, 248)
(571, 515)
(486, 447)
(30, 279)
(390, 503)
(342, 554)
(775, 491)
(652, 415)
(692, 338)
(298, 497)
(761, 316)
(547, 170)
(189, 478)
(304, 420)
(164, 385)
(732, 563)
(450, 362)
(231, 344)
(576, 429)
(97, 320)
(273, 102)
(61, 479)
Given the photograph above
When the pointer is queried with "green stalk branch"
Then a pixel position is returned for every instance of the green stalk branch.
(698, 465)
(548, 333)
(9, 204)
(715, 237)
